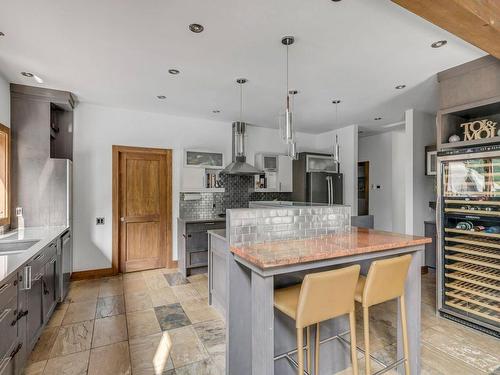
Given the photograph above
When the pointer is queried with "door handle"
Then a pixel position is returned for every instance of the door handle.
(122, 219)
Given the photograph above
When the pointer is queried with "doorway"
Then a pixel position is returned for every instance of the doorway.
(363, 187)
(142, 209)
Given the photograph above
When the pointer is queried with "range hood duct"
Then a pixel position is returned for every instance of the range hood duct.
(239, 166)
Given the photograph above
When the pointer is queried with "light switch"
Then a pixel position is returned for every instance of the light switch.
(99, 221)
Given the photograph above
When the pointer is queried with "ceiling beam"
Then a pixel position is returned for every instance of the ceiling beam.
(475, 21)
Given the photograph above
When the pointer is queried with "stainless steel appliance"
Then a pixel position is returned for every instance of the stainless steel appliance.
(468, 229)
(316, 179)
(239, 166)
(65, 264)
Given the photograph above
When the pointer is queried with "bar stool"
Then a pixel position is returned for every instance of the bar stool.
(321, 296)
(385, 281)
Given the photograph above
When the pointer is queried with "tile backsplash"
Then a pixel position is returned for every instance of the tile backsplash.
(237, 194)
(257, 225)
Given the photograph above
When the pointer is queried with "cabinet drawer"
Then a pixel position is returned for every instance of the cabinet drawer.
(8, 326)
(8, 290)
(203, 227)
(197, 258)
(38, 262)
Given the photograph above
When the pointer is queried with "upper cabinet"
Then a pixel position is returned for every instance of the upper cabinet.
(201, 171)
(277, 176)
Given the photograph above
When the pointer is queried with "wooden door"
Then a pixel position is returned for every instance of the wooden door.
(144, 208)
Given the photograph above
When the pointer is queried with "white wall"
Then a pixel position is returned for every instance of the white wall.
(98, 128)
(377, 150)
(348, 140)
(399, 161)
(4, 101)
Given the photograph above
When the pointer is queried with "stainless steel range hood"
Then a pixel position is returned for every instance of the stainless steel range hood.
(239, 166)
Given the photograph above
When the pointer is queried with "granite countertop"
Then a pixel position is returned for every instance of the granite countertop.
(357, 241)
(201, 219)
(9, 263)
(221, 233)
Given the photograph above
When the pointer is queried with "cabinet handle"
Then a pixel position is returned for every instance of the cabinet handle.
(21, 314)
(39, 256)
(4, 314)
(27, 277)
(4, 364)
(209, 223)
(16, 350)
(53, 261)
(38, 277)
(4, 287)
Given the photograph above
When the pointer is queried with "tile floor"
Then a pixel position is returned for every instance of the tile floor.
(157, 322)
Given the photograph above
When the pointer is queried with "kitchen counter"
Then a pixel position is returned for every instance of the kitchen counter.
(10, 262)
(201, 219)
(356, 242)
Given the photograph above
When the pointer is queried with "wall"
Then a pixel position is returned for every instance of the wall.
(348, 139)
(377, 149)
(98, 128)
(4, 101)
(398, 166)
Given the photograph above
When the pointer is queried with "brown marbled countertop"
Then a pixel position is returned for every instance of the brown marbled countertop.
(357, 241)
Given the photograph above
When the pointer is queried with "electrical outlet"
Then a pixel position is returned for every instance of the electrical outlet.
(19, 211)
(99, 221)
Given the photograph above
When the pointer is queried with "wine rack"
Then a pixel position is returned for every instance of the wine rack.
(469, 240)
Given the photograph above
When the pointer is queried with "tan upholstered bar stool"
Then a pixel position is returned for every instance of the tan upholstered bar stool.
(321, 296)
(385, 281)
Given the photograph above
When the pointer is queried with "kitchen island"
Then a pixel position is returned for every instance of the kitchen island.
(256, 333)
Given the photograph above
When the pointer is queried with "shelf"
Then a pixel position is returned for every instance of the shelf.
(474, 269)
(479, 242)
(474, 250)
(474, 203)
(471, 308)
(476, 290)
(470, 233)
(477, 300)
(474, 279)
(474, 259)
(475, 142)
(472, 212)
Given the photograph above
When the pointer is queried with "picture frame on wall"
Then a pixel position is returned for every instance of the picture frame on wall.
(430, 160)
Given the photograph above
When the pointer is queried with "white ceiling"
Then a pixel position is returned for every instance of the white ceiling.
(118, 52)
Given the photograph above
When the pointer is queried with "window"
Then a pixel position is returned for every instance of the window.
(4, 175)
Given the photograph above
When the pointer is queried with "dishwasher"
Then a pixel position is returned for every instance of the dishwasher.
(65, 264)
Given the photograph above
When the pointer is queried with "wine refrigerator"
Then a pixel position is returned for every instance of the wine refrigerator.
(468, 227)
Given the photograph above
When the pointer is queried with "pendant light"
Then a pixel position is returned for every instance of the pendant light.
(287, 128)
(292, 146)
(336, 145)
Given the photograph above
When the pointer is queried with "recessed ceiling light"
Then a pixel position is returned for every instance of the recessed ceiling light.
(336, 101)
(399, 87)
(293, 92)
(161, 97)
(173, 71)
(377, 118)
(27, 74)
(216, 111)
(336, 1)
(196, 28)
(439, 43)
(2, 34)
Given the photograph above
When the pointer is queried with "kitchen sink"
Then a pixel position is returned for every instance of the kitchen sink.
(16, 246)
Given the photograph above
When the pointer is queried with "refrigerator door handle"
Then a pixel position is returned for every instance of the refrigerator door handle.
(329, 182)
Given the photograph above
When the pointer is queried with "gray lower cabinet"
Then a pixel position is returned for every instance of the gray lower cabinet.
(430, 248)
(27, 301)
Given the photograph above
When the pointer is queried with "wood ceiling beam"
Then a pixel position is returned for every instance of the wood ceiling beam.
(475, 21)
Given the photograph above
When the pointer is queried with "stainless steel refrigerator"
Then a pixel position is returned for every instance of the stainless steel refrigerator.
(316, 179)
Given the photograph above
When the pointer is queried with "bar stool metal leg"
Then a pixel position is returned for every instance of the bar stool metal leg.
(308, 348)
(316, 351)
(402, 305)
(354, 357)
(300, 351)
(366, 328)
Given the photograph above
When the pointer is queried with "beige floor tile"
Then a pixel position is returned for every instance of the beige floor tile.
(205, 367)
(201, 287)
(109, 330)
(132, 276)
(73, 338)
(162, 297)
(72, 364)
(83, 291)
(112, 286)
(151, 354)
(198, 278)
(79, 312)
(110, 360)
(198, 310)
(109, 306)
(135, 286)
(156, 281)
(142, 323)
(44, 345)
(168, 270)
(436, 362)
(185, 292)
(58, 315)
(186, 348)
(35, 368)
(138, 301)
